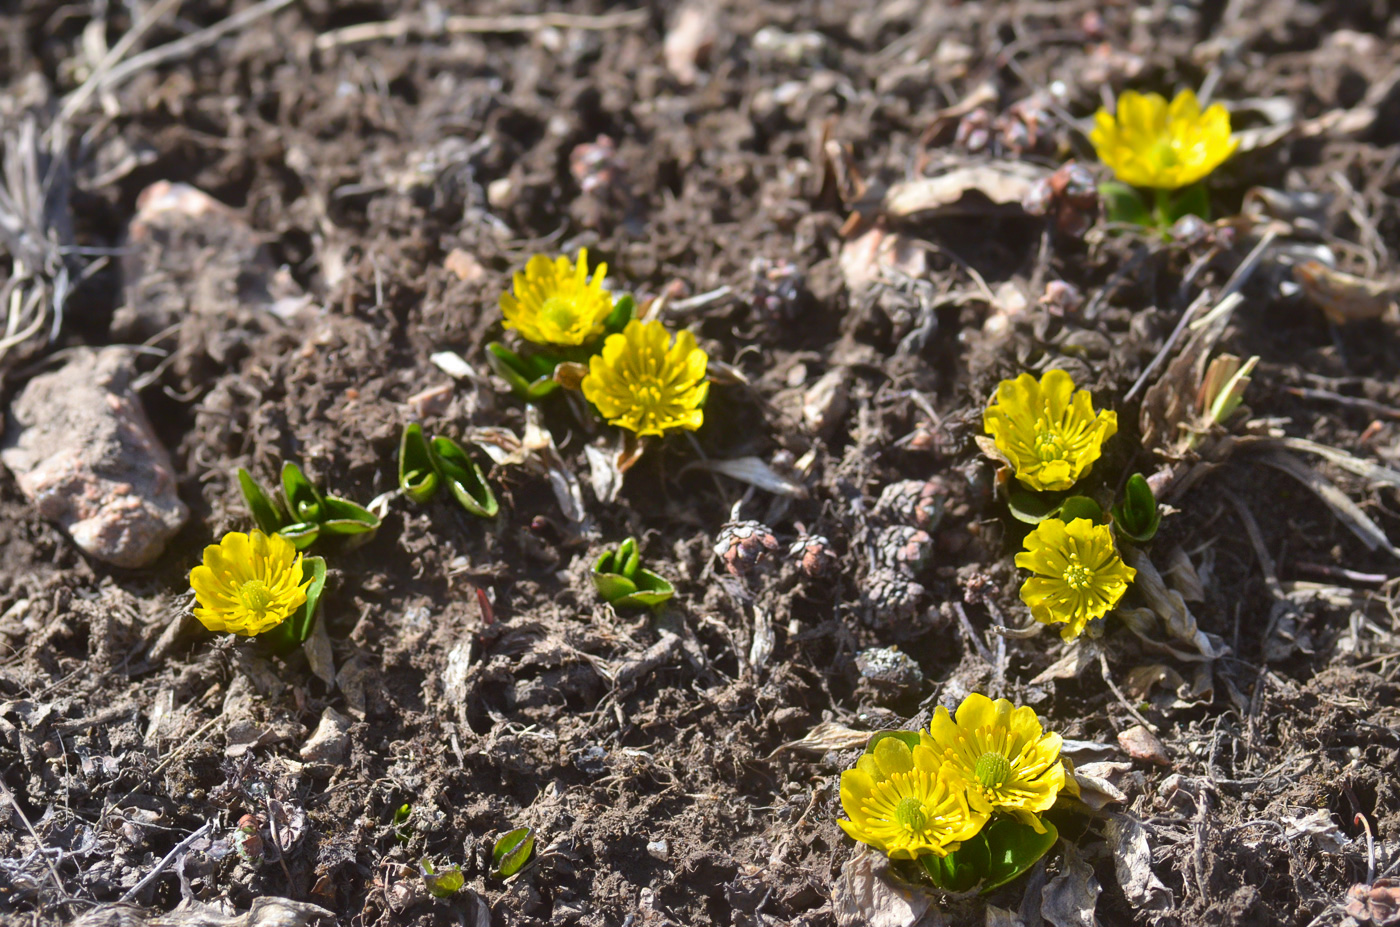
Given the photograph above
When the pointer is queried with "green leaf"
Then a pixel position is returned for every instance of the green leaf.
(531, 379)
(292, 633)
(512, 852)
(1191, 201)
(1123, 204)
(622, 314)
(1080, 507)
(628, 558)
(652, 590)
(1033, 507)
(464, 478)
(343, 517)
(402, 831)
(442, 884)
(418, 473)
(1137, 517)
(303, 500)
(1003, 850)
(911, 739)
(613, 586)
(302, 534)
(266, 511)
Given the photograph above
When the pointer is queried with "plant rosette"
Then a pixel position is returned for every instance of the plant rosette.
(620, 580)
(303, 514)
(426, 466)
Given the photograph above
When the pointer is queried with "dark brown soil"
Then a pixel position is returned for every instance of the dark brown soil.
(655, 784)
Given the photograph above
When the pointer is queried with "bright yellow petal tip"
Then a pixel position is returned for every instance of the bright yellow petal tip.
(1003, 758)
(901, 803)
(1152, 143)
(555, 303)
(644, 382)
(1048, 430)
(248, 583)
(1078, 573)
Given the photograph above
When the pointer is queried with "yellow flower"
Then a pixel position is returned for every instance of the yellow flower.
(901, 803)
(248, 583)
(554, 302)
(1079, 576)
(1047, 430)
(643, 382)
(1000, 752)
(1165, 146)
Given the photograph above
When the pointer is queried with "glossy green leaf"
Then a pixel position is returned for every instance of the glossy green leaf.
(418, 474)
(622, 313)
(303, 499)
(512, 852)
(464, 478)
(613, 586)
(402, 832)
(530, 378)
(1192, 201)
(1137, 516)
(301, 534)
(266, 511)
(1123, 204)
(1080, 507)
(343, 517)
(442, 884)
(652, 590)
(1033, 507)
(292, 633)
(1003, 850)
(911, 739)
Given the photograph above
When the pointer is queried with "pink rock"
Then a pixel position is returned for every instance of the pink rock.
(82, 450)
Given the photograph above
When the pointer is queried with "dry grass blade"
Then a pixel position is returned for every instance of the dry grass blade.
(1347, 512)
(36, 232)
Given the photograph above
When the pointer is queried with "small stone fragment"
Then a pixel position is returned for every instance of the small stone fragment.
(890, 668)
(824, 404)
(330, 742)
(1142, 744)
(84, 453)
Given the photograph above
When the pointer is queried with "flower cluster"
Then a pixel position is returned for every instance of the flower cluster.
(925, 793)
(640, 378)
(1151, 143)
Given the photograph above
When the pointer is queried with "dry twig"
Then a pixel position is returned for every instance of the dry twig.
(405, 26)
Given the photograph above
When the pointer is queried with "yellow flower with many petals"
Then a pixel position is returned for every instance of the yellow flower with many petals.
(1152, 143)
(1078, 573)
(1047, 430)
(901, 803)
(554, 302)
(1007, 762)
(647, 384)
(248, 583)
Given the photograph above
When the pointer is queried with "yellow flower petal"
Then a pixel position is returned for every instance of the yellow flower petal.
(248, 583)
(1048, 431)
(555, 302)
(644, 382)
(1079, 575)
(1152, 143)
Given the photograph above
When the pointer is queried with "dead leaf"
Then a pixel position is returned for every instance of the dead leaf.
(1143, 679)
(865, 257)
(604, 475)
(1351, 515)
(1002, 183)
(751, 470)
(1142, 744)
(1344, 297)
(1132, 862)
(1377, 904)
(689, 40)
(318, 653)
(825, 737)
(863, 897)
(1095, 789)
(1069, 899)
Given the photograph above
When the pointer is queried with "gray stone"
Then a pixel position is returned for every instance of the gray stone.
(330, 742)
(84, 453)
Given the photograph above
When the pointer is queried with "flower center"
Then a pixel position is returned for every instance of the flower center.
(992, 770)
(255, 596)
(1049, 445)
(559, 312)
(1165, 153)
(1077, 575)
(910, 815)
